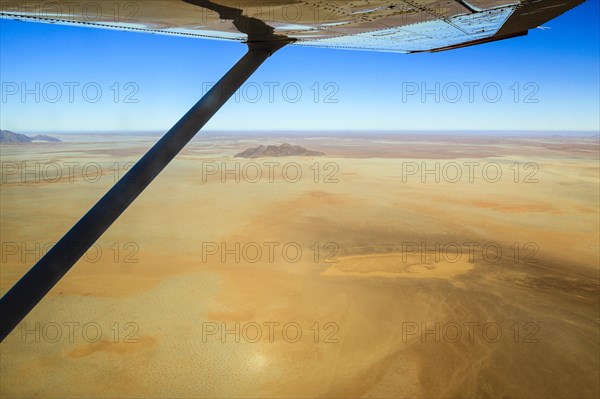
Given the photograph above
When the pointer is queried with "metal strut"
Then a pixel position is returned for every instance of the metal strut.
(40, 279)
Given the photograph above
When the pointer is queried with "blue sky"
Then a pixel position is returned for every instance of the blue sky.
(549, 80)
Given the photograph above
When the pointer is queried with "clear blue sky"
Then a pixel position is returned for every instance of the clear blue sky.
(556, 72)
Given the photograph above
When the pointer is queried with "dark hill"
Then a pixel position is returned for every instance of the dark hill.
(7, 136)
(284, 150)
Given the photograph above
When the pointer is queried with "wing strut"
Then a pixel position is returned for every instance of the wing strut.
(40, 279)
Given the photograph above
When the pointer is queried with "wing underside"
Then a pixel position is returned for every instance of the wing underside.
(398, 26)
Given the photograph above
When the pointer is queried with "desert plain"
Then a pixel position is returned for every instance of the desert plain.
(397, 266)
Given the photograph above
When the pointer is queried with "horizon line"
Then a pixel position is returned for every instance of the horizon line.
(311, 131)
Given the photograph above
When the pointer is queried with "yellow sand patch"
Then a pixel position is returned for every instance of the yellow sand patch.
(398, 265)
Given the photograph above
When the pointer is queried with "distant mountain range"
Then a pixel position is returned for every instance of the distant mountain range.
(11, 137)
(284, 150)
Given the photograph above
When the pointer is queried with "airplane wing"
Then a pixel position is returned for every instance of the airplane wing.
(402, 26)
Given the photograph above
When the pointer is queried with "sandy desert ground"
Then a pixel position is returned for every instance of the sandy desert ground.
(356, 274)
